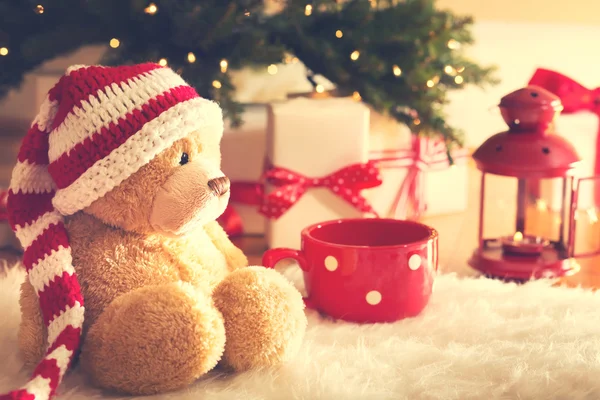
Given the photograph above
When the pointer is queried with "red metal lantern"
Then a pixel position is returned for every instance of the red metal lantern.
(529, 150)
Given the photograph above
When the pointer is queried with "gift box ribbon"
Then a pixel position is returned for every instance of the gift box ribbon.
(346, 183)
(575, 98)
(424, 155)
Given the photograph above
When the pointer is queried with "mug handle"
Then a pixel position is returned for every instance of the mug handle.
(272, 256)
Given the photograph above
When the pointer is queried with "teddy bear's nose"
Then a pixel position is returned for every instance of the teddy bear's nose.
(219, 186)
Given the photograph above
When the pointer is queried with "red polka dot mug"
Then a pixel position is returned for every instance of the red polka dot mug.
(365, 270)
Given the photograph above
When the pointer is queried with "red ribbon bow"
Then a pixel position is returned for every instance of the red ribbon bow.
(346, 183)
(575, 98)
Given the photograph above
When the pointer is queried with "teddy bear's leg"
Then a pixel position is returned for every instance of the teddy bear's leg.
(32, 331)
(154, 339)
(264, 318)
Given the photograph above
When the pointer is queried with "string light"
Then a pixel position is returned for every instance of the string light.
(449, 69)
(151, 9)
(216, 84)
(223, 64)
(397, 70)
(460, 69)
(162, 62)
(354, 55)
(453, 44)
(39, 9)
(247, 13)
(191, 57)
(114, 43)
(417, 121)
(433, 81)
(3, 51)
(308, 10)
(356, 96)
(319, 88)
(458, 79)
(339, 34)
(272, 69)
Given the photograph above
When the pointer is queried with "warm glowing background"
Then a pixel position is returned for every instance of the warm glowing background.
(553, 11)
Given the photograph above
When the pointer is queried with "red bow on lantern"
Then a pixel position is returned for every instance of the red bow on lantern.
(345, 183)
(575, 98)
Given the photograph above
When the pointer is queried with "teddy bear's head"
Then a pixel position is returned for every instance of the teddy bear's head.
(179, 189)
(134, 146)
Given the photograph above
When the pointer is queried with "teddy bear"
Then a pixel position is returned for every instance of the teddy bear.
(115, 198)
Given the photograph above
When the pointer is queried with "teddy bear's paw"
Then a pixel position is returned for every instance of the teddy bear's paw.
(154, 339)
(264, 318)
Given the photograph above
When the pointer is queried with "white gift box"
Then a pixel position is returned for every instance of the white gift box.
(441, 188)
(243, 153)
(581, 129)
(314, 137)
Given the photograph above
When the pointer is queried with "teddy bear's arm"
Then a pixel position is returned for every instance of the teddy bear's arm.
(235, 257)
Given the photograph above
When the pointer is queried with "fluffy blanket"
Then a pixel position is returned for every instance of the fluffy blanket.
(477, 339)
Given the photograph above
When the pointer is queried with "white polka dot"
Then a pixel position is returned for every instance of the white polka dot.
(331, 263)
(373, 297)
(414, 262)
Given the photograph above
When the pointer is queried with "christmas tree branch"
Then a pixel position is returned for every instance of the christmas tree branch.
(402, 58)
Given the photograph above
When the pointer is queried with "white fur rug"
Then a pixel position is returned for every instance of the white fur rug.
(478, 339)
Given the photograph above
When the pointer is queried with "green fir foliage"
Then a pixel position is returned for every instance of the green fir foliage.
(410, 54)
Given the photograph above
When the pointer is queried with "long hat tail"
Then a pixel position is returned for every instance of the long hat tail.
(47, 255)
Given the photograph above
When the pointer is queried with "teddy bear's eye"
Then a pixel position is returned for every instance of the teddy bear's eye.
(184, 159)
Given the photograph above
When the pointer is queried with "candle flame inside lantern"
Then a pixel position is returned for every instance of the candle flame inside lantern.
(518, 237)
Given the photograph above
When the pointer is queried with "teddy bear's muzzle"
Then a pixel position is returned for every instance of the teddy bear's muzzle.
(219, 186)
(195, 194)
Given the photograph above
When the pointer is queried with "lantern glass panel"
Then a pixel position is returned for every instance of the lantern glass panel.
(548, 210)
(500, 206)
(585, 226)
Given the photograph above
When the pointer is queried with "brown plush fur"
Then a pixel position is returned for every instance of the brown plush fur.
(162, 309)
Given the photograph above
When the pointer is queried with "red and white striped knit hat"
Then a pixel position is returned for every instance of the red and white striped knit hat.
(97, 127)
